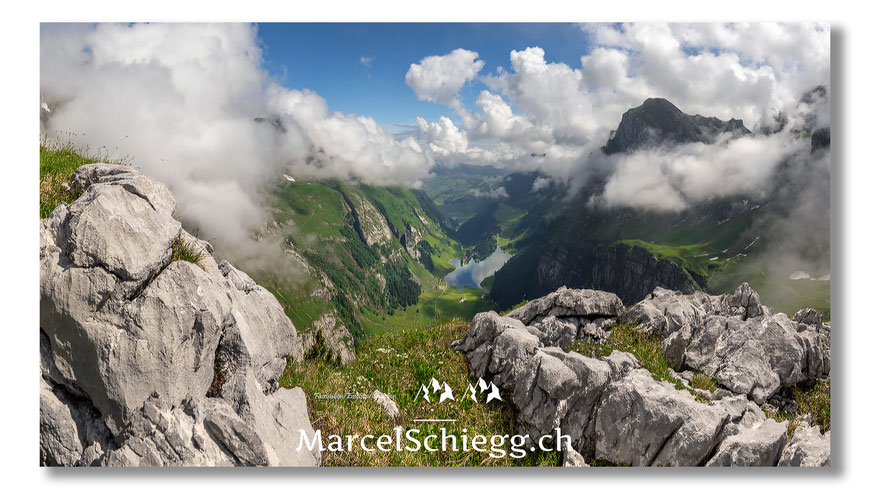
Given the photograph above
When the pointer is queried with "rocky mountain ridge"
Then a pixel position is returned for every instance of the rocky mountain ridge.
(150, 360)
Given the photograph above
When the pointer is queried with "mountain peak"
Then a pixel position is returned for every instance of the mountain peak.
(656, 103)
(657, 121)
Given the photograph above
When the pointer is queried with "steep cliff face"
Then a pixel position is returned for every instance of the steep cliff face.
(148, 358)
(630, 272)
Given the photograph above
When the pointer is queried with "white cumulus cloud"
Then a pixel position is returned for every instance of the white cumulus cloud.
(438, 79)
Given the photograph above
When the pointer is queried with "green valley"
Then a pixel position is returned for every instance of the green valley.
(373, 257)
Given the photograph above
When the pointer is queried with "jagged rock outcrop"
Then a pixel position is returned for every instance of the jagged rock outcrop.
(560, 318)
(409, 239)
(643, 422)
(734, 339)
(131, 342)
(757, 446)
(611, 407)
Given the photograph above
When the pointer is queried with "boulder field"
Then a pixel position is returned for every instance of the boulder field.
(615, 411)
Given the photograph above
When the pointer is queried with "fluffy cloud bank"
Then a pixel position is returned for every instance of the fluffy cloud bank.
(673, 179)
(192, 105)
(752, 72)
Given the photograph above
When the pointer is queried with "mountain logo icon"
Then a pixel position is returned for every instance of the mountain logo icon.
(482, 387)
(432, 388)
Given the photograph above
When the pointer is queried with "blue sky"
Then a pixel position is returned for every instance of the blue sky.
(326, 58)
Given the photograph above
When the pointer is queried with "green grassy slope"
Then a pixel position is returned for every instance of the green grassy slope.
(701, 259)
(372, 289)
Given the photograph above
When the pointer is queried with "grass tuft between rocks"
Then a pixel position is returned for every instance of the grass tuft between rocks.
(57, 162)
(647, 349)
(813, 401)
(183, 250)
(704, 382)
(627, 338)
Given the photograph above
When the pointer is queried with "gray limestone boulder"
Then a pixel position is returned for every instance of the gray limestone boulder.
(264, 328)
(559, 390)
(808, 447)
(495, 345)
(127, 178)
(553, 331)
(71, 432)
(745, 303)
(758, 446)
(643, 422)
(126, 333)
(572, 458)
(614, 410)
(808, 318)
(621, 363)
(758, 356)
(571, 303)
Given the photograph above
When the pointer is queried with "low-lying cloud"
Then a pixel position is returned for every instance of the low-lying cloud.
(194, 107)
(495, 193)
(673, 179)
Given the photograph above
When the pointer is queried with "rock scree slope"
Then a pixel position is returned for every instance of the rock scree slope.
(147, 361)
